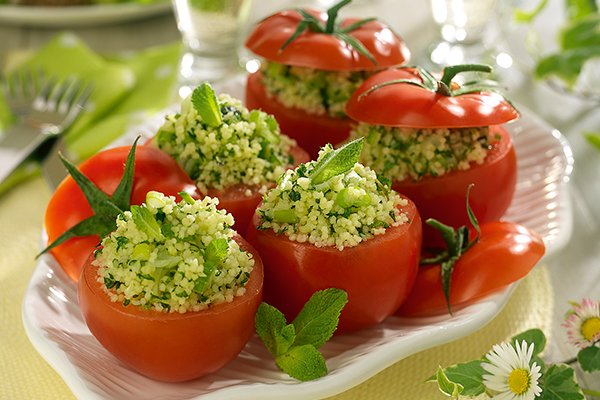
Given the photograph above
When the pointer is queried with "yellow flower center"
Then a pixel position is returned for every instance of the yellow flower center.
(591, 328)
(518, 381)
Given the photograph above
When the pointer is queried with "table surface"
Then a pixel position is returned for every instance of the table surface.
(575, 271)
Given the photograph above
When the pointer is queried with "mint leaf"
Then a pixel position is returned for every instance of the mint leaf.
(589, 359)
(205, 102)
(336, 162)
(145, 221)
(559, 383)
(319, 318)
(216, 250)
(295, 345)
(304, 363)
(535, 336)
(269, 323)
(446, 385)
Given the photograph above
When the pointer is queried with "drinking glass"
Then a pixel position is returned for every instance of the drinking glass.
(211, 31)
(463, 25)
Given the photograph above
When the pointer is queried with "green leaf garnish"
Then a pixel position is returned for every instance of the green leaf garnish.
(145, 221)
(467, 376)
(452, 389)
(336, 162)
(106, 208)
(205, 102)
(295, 345)
(216, 250)
(331, 27)
(457, 243)
(589, 359)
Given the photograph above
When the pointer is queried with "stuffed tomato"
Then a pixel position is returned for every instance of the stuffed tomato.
(231, 153)
(311, 63)
(434, 138)
(336, 224)
(173, 291)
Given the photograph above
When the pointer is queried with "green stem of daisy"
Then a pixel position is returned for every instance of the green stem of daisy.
(594, 393)
(571, 361)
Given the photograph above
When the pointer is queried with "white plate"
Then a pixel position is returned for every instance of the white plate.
(55, 327)
(81, 16)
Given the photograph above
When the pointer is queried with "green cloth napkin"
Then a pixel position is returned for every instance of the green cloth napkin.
(127, 89)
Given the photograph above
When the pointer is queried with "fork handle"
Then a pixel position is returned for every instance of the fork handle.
(18, 143)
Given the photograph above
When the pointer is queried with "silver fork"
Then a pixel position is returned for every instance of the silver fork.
(52, 111)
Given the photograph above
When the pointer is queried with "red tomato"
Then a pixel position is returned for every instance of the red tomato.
(443, 197)
(242, 207)
(377, 274)
(171, 347)
(322, 50)
(154, 170)
(410, 106)
(505, 253)
(311, 131)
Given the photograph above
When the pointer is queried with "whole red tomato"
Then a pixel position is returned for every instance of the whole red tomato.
(505, 253)
(377, 274)
(171, 347)
(327, 44)
(404, 104)
(154, 170)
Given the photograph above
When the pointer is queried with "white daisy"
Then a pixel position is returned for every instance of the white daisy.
(583, 325)
(511, 376)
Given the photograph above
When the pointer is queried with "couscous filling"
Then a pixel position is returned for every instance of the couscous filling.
(315, 91)
(403, 153)
(173, 257)
(246, 147)
(342, 211)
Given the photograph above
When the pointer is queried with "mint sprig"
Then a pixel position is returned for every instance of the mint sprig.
(205, 102)
(336, 162)
(295, 346)
(106, 208)
(331, 27)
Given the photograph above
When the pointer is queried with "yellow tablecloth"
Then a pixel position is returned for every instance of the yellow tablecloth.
(25, 375)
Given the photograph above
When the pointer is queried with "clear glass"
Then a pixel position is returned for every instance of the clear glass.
(462, 25)
(211, 32)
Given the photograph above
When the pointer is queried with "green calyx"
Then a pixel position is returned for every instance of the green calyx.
(106, 208)
(457, 243)
(444, 85)
(332, 27)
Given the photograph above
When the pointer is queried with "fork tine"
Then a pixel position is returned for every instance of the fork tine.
(69, 94)
(79, 101)
(41, 99)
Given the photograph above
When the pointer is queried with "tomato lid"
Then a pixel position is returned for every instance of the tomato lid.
(408, 105)
(330, 51)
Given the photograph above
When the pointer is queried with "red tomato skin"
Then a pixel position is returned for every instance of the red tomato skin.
(234, 200)
(444, 197)
(171, 347)
(505, 253)
(154, 170)
(324, 51)
(310, 131)
(410, 106)
(377, 274)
